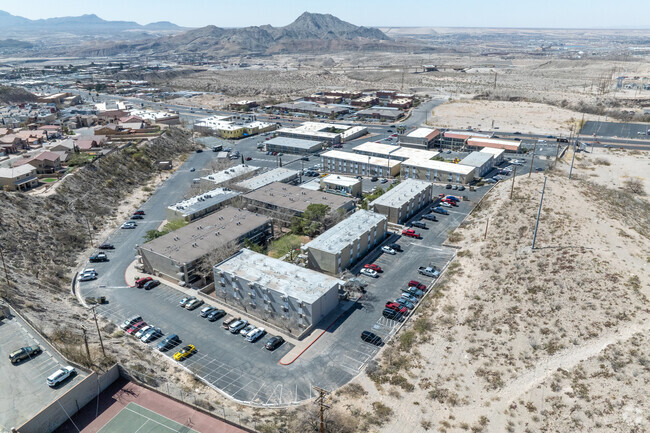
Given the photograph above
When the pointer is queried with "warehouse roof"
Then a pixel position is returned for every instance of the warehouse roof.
(432, 164)
(291, 280)
(396, 152)
(362, 159)
(204, 201)
(335, 179)
(205, 235)
(298, 143)
(476, 159)
(464, 135)
(496, 143)
(232, 173)
(296, 198)
(401, 193)
(279, 174)
(424, 133)
(344, 233)
(493, 151)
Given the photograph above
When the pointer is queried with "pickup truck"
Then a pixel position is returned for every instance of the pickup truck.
(429, 271)
(410, 233)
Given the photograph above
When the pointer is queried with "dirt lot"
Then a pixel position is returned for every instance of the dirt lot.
(513, 339)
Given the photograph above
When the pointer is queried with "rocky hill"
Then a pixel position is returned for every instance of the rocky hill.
(15, 95)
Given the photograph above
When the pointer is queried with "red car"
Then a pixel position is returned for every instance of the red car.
(397, 307)
(373, 267)
(135, 327)
(410, 233)
(417, 285)
(142, 281)
(451, 202)
(248, 158)
(138, 212)
(441, 195)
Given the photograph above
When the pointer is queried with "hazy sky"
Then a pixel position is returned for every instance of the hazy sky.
(434, 13)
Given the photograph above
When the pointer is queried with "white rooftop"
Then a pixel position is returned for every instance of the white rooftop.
(335, 179)
(420, 132)
(394, 151)
(231, 173)
(21, 170)
(492, 150)
(362, 159)
(477, 159)
(344, 233)
(432, 164)
(205, 200)
(279, 174)
(286, 278)
(401, 194)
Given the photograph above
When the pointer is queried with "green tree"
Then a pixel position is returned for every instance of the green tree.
(312, 221)
(253, 246)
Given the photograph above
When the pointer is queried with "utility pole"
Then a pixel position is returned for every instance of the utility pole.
(320, 400)
(90, 234)
(539, 212)
(486, 227)
(4, 265)
(512, 187)
(86, 343)
(532, 160)
(101, 343)
(572, 159)
(495, 80)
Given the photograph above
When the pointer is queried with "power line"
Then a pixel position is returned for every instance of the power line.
(320, 400)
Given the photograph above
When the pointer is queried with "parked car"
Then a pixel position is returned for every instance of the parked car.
(139, 283)
(98, 257)
(136, 327)
(151, 334)
(461, 188)
(216, 315)
(185, 300)
(409, 297)
(106, 246)
(373, 266)
(453, 198)
(374, 179)
(193, 304)
(137, 217)
(248, 158)
(139, 212)
(414, 291)
(238, 326)
(274, 342)
(429, 217)
(168, 342)
(229, 321)
(384, 180)
(429, 271)
(128, 225)
(60, 375)
(388, 250)
(87, 275)
(185, 352)
(24, 353)
(95, 299)
(246, 329)
(151, 284)
(449, 202)
(142, 330)
(444, 204)
(397, 307)
(448, 186)
(255, 335)
(410, 233)
(417, 285)
(207, 310)
(369, 273)
(369, 337)
(455, 187)
(405, 303)
(419, 224)
(438, 209)
(128, 322)
(396, 247)
(391, 314)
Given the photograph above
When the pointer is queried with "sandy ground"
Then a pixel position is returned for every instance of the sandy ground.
(524, 117)
(514, 339)
(613, 167)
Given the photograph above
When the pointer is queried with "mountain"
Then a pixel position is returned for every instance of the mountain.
(15, 95)
(309, 33)
(84, 25)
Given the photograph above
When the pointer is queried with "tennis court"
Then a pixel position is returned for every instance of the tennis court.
(135, 418)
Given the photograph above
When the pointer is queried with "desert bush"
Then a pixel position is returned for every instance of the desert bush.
(635, 186)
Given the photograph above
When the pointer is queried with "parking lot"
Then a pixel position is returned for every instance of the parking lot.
(24, 390)
(615, 129)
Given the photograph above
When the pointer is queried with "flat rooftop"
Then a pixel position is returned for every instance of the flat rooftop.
(286, 278)
(402, 193)
(206, 234)
(424, 132)
(476, 159)
(204, 201)
(465, 134)
(492, 150)
(336, 179)
(344, 233)
(279, 174)
(298, 143)
(296, 198)
(231, 173)
(381, 111)
(397, 152)
(446, 167)
(497, 143)
(362, 159)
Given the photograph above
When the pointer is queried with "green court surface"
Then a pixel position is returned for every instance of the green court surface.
(134, 418)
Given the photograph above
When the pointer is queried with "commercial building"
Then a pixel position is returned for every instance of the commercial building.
(383, 114)
(280, 174)
(403, 201)
(201, 205)
(312, 108)
(177, 255)
(402, 103)
(365, 101)
(459, 138)
(283, 202)
(232, 126)
(437, 171)
(336, 161)
(391, 151)
(347, 242)
(494, 143)
(337, 184)
(420, 138)
(230, 175)
(280, 293)
(294, 145)
(481, 161)
(497, 154)
(19, 178)
(329, 133)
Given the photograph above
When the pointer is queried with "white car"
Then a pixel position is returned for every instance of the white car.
(369, 273)
(444, 204)
(60, 375)
(186, 300)
(87, 275)
(246, 330)
(195, 303)
(388, 250)
(151, 334)
(142, 331)
(128, 225)
(255, 335)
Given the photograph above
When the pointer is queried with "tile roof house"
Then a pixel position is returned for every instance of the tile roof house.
(18, 178)
(44, 162)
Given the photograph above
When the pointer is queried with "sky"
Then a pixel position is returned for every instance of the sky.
(625, 14)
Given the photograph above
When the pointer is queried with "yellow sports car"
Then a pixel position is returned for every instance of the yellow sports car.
(185, 352)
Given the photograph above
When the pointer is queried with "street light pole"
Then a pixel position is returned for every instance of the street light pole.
(539, 211)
